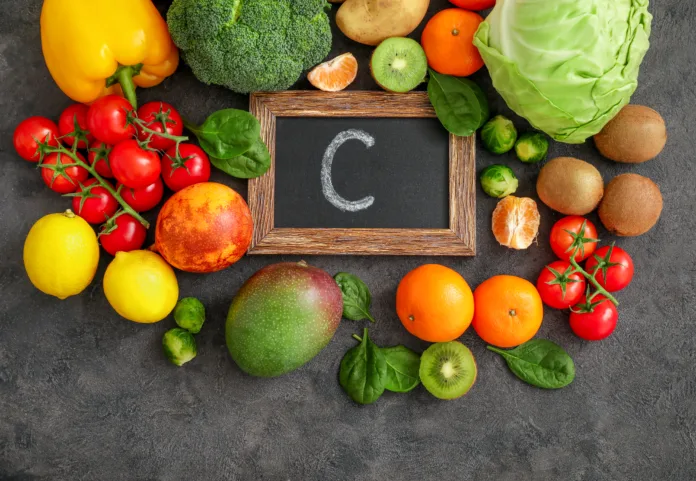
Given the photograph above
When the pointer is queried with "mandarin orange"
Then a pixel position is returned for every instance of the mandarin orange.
(508, 311)
(448, 41)
(434, 303)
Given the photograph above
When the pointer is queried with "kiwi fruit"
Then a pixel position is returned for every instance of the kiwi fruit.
(399, 64)
(631, 206)
(570, 186)
(448, 369)
(637, 134)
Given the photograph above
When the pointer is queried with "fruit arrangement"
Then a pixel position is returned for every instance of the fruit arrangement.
(113, 160)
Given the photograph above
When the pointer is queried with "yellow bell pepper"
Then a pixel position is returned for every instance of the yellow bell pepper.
(92, 46)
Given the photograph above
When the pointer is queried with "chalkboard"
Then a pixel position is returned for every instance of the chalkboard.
(402, 174)
(361, 173)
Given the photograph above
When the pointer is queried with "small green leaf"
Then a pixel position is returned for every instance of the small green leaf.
(227, 133)
(356, 297)
(403, 366)
(252, 163)
(460, 104)
(540, 363)
(363, 372)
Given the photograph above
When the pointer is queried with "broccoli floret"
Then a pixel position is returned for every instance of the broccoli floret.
(250, 45)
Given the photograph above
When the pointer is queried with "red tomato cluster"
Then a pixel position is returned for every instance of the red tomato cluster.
(566, 284)
(140, 150)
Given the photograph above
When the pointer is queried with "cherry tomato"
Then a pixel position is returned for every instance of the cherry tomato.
(191, 167)
(134, 166)
(94, 203)
(31, 130)
(568, 233)
(143, 199)
(615, 268)
(59, 178)
(98, 156)
(595, 325)
(72, 125)
(556, 278)
(157, 115)
(123, 233)
(107, 119)
(474, 4)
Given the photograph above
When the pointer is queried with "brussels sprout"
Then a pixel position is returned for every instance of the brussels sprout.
(179, 346)
(189, 314)
(532, 147)
(498, 181)
(499, 135)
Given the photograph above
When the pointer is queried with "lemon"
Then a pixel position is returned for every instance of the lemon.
(61, 254)
(140, 286)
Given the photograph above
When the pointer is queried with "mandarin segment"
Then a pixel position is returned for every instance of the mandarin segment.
(335, 74)
(516, 222)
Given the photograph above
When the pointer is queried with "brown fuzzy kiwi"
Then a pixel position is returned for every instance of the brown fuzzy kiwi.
(637, 134)
(631, 206)
(570, 186)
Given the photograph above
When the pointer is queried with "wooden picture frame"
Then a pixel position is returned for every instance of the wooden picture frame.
(458, 240)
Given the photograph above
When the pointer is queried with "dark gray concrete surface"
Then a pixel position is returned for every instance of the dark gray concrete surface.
(86, 395)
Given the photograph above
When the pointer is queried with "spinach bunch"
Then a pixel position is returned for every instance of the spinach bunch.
(368, 370)
(232, 140)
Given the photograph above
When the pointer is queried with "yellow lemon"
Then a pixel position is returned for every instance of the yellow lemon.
(140, 286)
(61, 254)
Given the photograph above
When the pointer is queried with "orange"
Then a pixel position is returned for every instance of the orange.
(335, 74)
(516, 222)
(508, 311)
(434, 303)
(448, 41)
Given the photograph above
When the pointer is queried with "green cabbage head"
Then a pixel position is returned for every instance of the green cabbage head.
(567, 66)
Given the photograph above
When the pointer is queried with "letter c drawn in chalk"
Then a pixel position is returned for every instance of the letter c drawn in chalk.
(326, 183)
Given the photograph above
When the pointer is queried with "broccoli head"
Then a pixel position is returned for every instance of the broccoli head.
(250, 45)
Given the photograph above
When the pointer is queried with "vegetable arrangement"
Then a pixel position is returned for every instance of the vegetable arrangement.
(286, 313)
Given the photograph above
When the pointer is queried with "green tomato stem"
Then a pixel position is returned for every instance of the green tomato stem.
(592, 280)
(126, 208)
(176, 138)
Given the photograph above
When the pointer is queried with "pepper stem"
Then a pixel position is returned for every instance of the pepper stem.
(124, 76)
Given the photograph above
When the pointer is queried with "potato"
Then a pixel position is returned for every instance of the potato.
(637, 134)
(570, 186)
(371, 21)
(631, 206)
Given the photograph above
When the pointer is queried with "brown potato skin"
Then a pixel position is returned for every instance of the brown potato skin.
(631, 206)
(371, 21)
(570, 186)
(637, 134)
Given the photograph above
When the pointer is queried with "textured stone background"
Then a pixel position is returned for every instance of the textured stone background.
(86, 395)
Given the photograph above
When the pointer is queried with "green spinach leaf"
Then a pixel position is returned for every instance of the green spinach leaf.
(402, 368)
(459, 103)
(252, 163)
(356, 297)
(227, 133)
(363, 372)
(540, 363)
